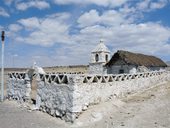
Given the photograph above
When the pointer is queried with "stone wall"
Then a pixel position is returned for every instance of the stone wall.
(95, 89)
(18, 86)
(97, 68)
(66, 96)
(115, 69)
(55, 95)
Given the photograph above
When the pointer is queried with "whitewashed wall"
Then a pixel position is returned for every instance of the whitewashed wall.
(95, 89)
(97, 68)
(18, 86)
(55, 96)
(66, 96)
(115, 69)
(155, 68)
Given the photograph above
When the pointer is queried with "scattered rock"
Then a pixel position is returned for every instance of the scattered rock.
(57, 113)
(84, 108)
(128, 93)
(52, 112)
(97, 116)
(29, 110)
(122, 124)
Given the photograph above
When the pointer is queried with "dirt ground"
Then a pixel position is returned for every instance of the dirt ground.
(149, 109)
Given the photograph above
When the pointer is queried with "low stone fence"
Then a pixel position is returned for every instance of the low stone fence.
(55, 95)
(18, 86)
(93, 89)
(66, 96)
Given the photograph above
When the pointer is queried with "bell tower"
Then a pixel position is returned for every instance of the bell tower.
(100, 55)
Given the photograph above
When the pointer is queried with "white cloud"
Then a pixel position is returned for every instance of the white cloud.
(135, 12)
(149, 5)
(117, 3)
(59, 16)
(1, 28)
(14, 27)
(30, 23)
(143, 4)
(89, 18)
(105, 3)
(108, 18)
(45, 31)
(8, 2)
(135, 37)
(36, 4)
(3, 12)
(159, 4)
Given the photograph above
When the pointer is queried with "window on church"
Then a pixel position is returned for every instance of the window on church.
(106, 58)
(97, 57)
(121, 71)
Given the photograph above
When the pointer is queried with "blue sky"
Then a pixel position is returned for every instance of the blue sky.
(64, 32)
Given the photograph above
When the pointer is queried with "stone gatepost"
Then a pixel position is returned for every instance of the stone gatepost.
(28, 87)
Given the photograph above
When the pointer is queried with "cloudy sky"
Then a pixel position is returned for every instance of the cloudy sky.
(63, 32)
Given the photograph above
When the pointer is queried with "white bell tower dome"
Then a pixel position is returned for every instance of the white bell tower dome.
(100, 55)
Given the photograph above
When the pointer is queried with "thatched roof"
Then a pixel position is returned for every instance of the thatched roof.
(125, 57)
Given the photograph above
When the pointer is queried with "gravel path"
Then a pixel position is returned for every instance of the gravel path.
(13, 116)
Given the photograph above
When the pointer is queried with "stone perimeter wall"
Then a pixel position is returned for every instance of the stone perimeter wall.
(66, 96)
(18, 86)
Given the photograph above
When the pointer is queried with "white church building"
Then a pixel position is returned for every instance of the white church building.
(121, 62)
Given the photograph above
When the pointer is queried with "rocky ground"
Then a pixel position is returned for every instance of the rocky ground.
(148, 109)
